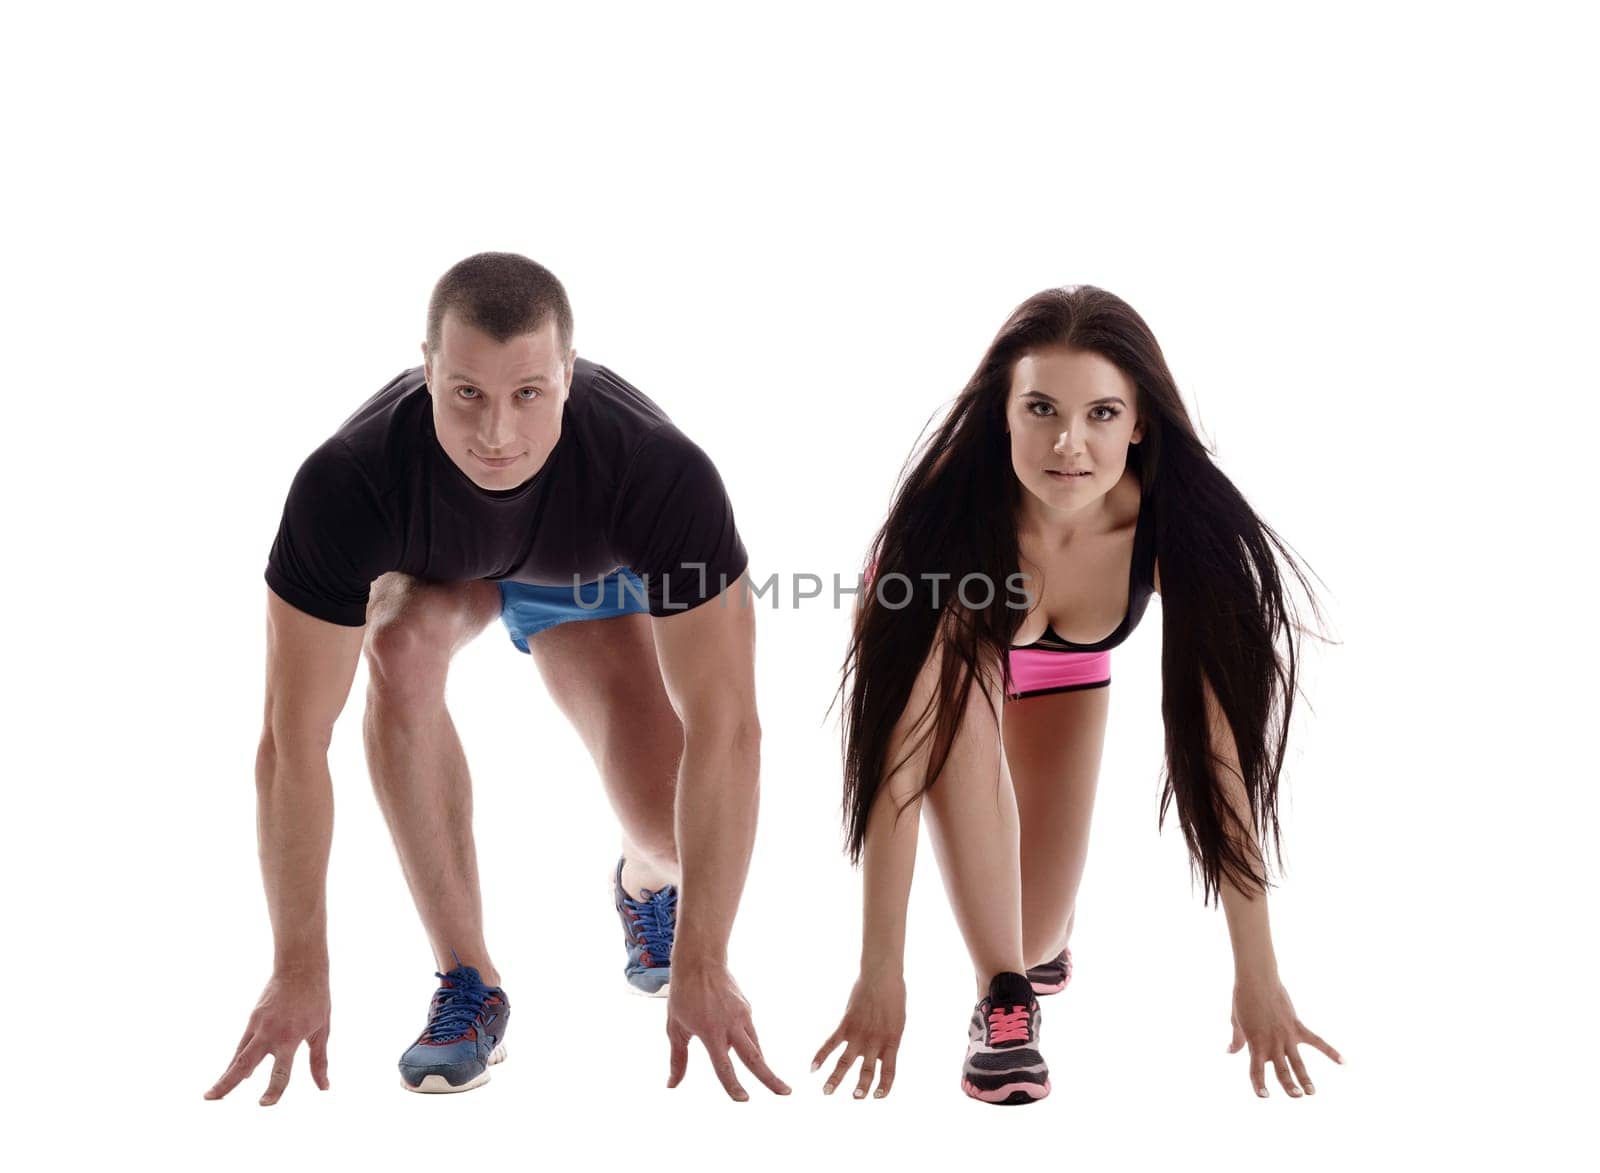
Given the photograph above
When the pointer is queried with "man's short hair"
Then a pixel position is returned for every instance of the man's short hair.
(502, 294)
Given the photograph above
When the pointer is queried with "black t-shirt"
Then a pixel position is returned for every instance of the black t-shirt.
(622, 487)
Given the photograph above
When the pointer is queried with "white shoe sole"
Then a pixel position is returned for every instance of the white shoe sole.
(437, 1084)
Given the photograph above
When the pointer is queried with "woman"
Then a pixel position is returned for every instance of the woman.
(1065, 485)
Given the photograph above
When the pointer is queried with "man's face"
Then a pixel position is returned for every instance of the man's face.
(497, 405)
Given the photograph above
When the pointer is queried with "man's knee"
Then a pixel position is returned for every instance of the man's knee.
(408, 657)
(414, 628)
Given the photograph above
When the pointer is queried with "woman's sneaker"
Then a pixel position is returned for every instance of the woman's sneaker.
(648, 927)
(465, 1035)
(1051, 977)
(1003, 1062)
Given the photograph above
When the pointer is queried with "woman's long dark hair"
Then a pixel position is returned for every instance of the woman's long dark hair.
(1223, 601)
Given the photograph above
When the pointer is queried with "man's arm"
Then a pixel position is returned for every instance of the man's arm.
(707, 658)
(310, 665)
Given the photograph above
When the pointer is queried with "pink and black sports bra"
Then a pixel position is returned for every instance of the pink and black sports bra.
(1141, 584)
(1051, 664)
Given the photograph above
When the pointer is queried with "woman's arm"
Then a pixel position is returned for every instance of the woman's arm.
(1249, 931)
(888, 859)
(1262, 1014)
(875, 1016)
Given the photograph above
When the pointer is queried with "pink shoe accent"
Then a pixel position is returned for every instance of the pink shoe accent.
(1008, 1026)
(1034, 1091)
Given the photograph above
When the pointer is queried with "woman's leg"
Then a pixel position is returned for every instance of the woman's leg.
(1053, 745)
(972, 821)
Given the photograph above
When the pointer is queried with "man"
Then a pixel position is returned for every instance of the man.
(497, 478)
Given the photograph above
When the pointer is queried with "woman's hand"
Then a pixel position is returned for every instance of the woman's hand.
(1264, 1018)
(870, 1030)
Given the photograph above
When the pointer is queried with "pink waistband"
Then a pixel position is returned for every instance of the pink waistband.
(1035, 671)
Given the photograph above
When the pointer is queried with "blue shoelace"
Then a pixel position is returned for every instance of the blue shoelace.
(457, 1006)
(657, 917)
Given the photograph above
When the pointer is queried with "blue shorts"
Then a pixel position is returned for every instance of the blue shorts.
(527, 610)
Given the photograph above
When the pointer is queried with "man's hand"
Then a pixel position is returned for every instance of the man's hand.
(704, 1001)
(292, 1008)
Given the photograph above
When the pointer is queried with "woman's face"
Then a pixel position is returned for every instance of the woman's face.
(1071, 416)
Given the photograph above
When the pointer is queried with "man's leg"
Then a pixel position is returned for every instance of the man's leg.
(603, 674)
(419, 771)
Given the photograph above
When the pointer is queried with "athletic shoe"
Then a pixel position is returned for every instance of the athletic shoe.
(1051, 977)
(1003, 1062)
(647, 926)
(465, 1034)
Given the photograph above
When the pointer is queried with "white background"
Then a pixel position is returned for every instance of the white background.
(1365, 239)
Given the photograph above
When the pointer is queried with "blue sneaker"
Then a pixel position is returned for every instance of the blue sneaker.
(465, 1034)
(647, 926)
